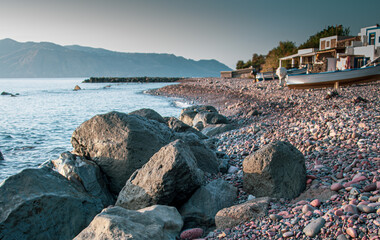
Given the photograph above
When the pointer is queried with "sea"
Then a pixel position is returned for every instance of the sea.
(37, 124)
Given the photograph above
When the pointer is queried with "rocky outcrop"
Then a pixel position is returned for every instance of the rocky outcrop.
(232, 216)
(169, 178)
(84, 173)
(42, 204)
(201, 208)
(120, 144)
(181, 127)
(149, 114)
(116, 223)
(207, 118)
(277, 170)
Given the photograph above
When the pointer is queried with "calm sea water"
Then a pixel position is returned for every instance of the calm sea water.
(37, 125)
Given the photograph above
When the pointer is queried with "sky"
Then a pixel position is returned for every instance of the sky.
(225, 30)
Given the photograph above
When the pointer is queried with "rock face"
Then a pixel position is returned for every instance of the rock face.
(149, 114)
(205, 157)
(169, 178)
(277, 170)
(84, 173)
(232, 216)
(116, 223)
(201, 208)
(42, 204)
(120, 144)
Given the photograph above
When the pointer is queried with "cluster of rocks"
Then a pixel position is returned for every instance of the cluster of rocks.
(137, 171)
(336, 131)
(9, 94)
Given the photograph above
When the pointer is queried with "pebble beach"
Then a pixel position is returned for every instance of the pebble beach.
(336, 131)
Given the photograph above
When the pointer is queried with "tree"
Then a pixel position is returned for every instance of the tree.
(257, 61)
(283, 49)
(313, 41)
(240, 64)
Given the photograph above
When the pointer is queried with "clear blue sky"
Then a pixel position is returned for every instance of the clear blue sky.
(225, 30)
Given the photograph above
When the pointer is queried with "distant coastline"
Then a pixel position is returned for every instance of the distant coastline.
(129, 79)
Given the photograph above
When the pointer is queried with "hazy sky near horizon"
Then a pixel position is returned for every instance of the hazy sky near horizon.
(225, 30)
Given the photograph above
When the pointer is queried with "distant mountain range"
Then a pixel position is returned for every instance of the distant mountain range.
(47, 59)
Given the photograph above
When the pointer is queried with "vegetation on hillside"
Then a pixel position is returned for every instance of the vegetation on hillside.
(313, 41)
(283, 49)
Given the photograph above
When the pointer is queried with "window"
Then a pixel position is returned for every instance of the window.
(327, 44)
(322, 45)
(371, 39)
(333, 43)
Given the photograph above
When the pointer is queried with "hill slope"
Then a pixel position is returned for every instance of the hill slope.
(46, 59)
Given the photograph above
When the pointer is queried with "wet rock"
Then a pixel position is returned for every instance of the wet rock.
(276, 170)
(201, 208)
(187, 114)
(120, 144)
(181, 127)
(155, 222)
(149, 114)
(168, 178)
(42, 204)
(76, 88)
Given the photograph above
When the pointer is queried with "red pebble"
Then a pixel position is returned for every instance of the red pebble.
(309, 181)
(315, 203)
(192, 233)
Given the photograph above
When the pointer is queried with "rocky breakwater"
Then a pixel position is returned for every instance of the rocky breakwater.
(129, 79)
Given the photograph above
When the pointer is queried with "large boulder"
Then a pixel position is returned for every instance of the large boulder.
(232, 216)
(117, 223)
(181, 127)
(277, 170)
(169, 178)
(120, 144)
(187, 114)
(207, 118)
(149, 114)
(201, 208)
(205, 157)
(42, 204)
(84, 173)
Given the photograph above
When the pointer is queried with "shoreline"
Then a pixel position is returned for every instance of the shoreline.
(337, 134)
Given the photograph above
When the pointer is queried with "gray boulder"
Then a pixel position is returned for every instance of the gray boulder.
(116, 223)
(187, 114)
(149, 114)
(209, 118)
(169, 178)
(84, 173)
(120, 144)
(42, 204)
(277, 170)
(215, 129)
(181, 127)
(205, 157)
(201, 208)
(232, 216)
